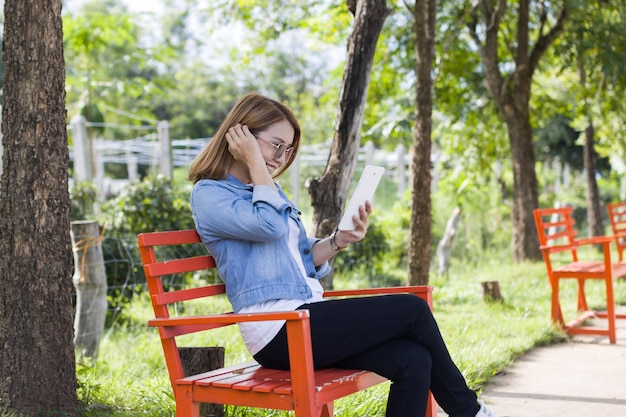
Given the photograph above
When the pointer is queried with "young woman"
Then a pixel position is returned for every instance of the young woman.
(268, 263)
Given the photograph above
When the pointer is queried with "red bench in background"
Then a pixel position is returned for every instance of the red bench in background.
(555, 227)
(617, 215)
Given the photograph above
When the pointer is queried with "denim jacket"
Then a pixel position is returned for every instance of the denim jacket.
(246, 230)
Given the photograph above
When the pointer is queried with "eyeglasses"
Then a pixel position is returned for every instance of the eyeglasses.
(281, 148)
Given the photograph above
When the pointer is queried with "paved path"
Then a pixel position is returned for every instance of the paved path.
(585, 377)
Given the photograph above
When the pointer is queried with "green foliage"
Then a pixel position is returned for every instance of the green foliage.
(107, 68)
(557, 141)
(6, 412)
(366, 258)
(395, 223)
(82, 200)
(89, 388)
(154, 204)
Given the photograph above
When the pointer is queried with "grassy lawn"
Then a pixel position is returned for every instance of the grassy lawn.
(129, 377)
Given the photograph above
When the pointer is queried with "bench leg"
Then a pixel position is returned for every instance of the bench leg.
(610, 309)
(557, 315)
(431, 406)
(185, 407)
(582, 297)
(327, 410)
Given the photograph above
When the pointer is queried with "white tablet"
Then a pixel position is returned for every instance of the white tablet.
(364, 191)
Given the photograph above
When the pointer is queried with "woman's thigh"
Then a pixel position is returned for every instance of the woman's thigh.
(344, 328)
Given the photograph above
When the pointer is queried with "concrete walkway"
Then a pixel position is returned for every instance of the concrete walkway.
(585, 377)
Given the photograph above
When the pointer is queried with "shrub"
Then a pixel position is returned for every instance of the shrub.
(82, 201)
(155, 203)
(152, 204)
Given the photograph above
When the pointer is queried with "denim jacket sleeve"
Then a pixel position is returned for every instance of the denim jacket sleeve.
(226, 209)
(246, 229)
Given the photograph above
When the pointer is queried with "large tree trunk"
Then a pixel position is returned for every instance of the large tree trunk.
(37, 363)
(329, 192)
(525, 192)
(421, 218)
(594, 211)
(511, 95)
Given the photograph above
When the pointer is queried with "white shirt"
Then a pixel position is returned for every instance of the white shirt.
(256, 335)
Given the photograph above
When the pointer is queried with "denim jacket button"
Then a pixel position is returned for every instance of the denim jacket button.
(312, 275)
(307, 251)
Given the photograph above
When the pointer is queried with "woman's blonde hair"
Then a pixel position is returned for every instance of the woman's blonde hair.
(258, 113)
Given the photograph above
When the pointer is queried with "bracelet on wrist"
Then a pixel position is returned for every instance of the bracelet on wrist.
(333, 243)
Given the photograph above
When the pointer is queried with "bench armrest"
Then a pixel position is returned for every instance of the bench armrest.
(596, 240)
(177, 326)
(413, 289)
(229, 318)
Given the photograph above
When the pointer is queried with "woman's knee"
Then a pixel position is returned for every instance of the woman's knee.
(417, 362)
(413, 305)
(405, 360)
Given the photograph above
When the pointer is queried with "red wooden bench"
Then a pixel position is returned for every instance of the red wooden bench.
(555, 227)
(617, 215)
(307, 391)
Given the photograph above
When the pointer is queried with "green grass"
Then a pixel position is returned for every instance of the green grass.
(129, 378)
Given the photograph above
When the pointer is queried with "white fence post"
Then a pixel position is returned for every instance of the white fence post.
(165, 148)
(83, 170)
(132, 164)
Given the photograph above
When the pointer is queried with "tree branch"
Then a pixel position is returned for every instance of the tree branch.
(544, 41)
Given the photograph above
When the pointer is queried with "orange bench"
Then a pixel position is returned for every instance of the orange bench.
(555, 227)
(617, 215)
(307, 391)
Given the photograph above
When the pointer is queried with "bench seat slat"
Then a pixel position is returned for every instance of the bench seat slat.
(589, 269)
(266, 379)
(349, 379)
(230, 381)
(277, 381)
(239, 368)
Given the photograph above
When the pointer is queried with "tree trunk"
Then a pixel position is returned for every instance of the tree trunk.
(594, 212)
(90, 281)
(329, 192)
(421, 218)
(196, 360)
(37, 363)
(525, 192)
(511, 94)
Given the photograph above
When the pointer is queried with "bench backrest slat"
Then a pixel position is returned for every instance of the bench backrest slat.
(178, 296)
(163, 296)
(617, 216)
(555, 227)
(173, 237)
(179, 266)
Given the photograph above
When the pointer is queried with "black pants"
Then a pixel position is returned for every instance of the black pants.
(395, 336)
